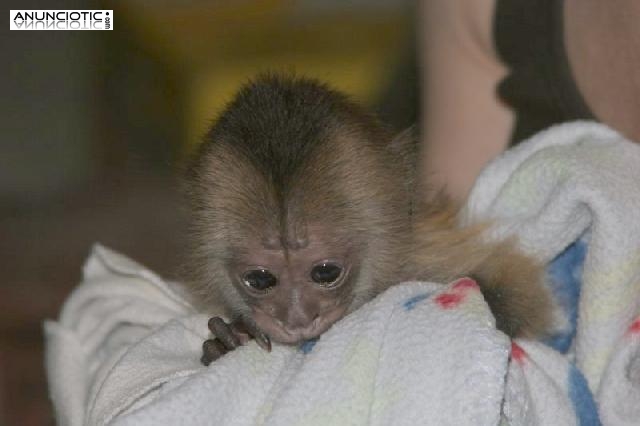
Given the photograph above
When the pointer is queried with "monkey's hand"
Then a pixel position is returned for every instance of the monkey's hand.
(227, 337)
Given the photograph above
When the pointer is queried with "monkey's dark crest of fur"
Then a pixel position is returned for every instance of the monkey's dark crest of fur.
(290, 156)
(288, 153)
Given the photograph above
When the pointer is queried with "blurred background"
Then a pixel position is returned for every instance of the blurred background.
(96, 124)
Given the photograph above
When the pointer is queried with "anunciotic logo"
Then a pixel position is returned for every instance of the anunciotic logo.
(35, 20)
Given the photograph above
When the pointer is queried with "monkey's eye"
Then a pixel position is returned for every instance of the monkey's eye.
(259, 279)
(326, 273)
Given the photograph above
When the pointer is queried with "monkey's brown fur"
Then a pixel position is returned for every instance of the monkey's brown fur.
(511, 283)
(267, 167)
(292, 163)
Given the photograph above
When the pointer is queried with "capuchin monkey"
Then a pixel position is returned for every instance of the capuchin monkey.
(304, 207)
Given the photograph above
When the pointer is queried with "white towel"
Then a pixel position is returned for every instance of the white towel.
(572, 193)
(391, 362)
(573, 180)
(118, 304)
(126, 348)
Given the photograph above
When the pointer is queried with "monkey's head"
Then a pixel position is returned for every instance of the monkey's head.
(299, 208)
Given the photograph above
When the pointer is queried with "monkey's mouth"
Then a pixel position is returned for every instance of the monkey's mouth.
(281, 333)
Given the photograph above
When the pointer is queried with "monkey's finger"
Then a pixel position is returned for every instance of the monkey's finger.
(261, 339)
(212, 322)
(204, 360)
(224, 333)
(212, 349)
(240, 330)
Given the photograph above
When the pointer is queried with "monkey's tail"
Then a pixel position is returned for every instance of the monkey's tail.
(513, 284)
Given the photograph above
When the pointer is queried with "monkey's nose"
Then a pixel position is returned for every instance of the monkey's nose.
(302, 325)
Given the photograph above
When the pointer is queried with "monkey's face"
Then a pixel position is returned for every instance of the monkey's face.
(295, 291)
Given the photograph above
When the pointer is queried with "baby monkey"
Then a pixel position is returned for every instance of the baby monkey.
(303, 209)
